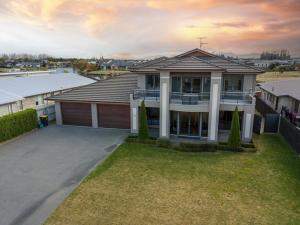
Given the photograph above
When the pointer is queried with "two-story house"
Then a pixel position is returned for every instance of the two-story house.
(191, 95)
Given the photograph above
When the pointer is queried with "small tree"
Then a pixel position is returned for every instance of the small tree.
(143, 126)
(235, 135)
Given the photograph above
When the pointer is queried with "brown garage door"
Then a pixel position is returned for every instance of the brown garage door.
(114, 116)
(76, 114)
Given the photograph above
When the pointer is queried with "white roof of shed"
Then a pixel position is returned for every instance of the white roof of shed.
(13, 89)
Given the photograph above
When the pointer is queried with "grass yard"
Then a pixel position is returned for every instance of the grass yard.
(107, 72)
(270, 76)
(139, 184)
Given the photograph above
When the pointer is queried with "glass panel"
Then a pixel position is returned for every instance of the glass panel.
(152, 82)
(184, 123)
(233, 83)
(149, 82)
(194, 124)
(206, 84)
(173, 122)
(225, 118)
(186, 84)
(156, 82)
(196, 85)
(176, 83)
(204, 131)
(152, 116)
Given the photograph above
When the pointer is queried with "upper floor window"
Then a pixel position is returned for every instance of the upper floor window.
(233, 83)
(187, 84)
(152, 81)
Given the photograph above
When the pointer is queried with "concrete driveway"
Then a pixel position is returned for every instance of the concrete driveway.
(39, 169)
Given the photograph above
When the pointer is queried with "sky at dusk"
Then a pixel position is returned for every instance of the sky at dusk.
(147, 28)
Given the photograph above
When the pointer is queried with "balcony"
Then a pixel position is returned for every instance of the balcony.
(146, 94)
(196, 98)
(189, 98)
(237, 97)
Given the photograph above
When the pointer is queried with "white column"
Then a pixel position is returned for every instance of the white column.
(214, 104)
(248, 119)
(134, 115)
(58, 114)
(164, 128)
(94, 115)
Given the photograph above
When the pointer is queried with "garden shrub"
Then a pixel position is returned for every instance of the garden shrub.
(248, 145)
(192, 147)
(165, 143)
(17, 123)
(143, 125)
(234, 139)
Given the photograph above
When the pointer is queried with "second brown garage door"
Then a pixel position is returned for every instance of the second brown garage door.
(114, 116)
(76, 114)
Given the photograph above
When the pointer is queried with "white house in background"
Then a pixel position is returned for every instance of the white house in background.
(283, 93)
(29, 91)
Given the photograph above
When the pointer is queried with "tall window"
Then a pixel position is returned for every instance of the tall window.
(188, 84)
(233, 83)
(152, 82)
(176, 84)
(206, 84)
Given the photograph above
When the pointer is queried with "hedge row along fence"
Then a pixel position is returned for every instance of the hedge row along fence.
(17, 123)
(193, 147)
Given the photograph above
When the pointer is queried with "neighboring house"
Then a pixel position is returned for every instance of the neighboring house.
(22, 92)
(115, 64)
(282, 94)
(191, 95)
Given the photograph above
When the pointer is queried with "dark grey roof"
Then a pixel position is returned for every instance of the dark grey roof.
(149, 63)
(191, 63)
(231, 66)
(283, 88)
(116, 90)
(187, 61)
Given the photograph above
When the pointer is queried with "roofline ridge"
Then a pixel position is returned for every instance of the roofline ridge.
(196, 49)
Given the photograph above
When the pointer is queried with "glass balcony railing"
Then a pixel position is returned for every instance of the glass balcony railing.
(146, 94)
(196, 98)
(237, 97)
(189, 98)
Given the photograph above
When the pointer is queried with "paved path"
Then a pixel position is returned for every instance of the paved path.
(39, 169)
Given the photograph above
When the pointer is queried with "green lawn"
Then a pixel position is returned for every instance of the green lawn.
(270, 76)
(139, 184)
(107, 72)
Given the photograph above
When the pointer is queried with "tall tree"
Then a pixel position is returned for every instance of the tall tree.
(235, 134)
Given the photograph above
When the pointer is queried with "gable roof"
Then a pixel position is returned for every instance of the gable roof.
(195, 59)
(283, 88)
(112, 90)
(196, 52)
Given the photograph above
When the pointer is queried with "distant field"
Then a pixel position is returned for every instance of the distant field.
(270, 76)
(3, 70)
(107, 72)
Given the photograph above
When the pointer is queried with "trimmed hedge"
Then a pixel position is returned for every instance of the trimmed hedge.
(208, 147)
(17, 123)
(193, 147)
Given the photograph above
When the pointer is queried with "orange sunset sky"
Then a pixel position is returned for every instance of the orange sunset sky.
(147, 28)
